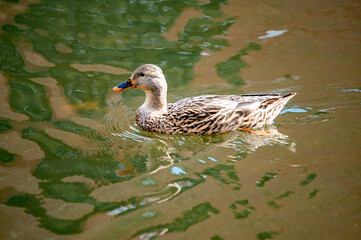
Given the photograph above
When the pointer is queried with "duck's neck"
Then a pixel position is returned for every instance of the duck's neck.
(155, 102)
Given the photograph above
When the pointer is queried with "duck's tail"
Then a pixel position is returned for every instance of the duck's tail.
(274, 106)
(277, 101)
(289, 96)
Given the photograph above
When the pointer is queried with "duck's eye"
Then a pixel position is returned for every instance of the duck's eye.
(141, 74)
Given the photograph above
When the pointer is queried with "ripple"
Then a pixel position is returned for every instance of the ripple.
(273, 33)
(293, 110)
(177, 171)
(168, 192)
(351, 90)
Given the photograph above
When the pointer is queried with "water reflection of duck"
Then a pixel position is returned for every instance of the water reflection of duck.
(205, 115)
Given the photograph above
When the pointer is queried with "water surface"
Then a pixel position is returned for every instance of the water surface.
(74, 165)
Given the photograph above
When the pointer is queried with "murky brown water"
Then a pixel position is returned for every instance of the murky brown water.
(87, 172)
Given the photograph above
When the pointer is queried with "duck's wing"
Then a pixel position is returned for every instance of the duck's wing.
(193, 119)
(211, 114)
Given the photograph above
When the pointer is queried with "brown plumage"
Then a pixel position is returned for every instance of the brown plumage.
(204, 115)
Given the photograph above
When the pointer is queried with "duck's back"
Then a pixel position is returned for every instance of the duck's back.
(224, 101)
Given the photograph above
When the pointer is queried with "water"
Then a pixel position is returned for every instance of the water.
(74, 165)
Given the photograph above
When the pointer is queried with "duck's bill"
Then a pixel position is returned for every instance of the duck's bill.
(124, 86)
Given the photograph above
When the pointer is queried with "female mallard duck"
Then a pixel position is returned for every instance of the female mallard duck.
(205, 115)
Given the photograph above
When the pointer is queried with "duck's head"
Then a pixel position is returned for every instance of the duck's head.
(147, 77)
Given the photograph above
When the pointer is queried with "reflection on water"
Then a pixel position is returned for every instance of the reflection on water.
(272, 33)
(73, 161)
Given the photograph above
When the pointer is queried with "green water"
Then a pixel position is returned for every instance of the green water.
(74, 165)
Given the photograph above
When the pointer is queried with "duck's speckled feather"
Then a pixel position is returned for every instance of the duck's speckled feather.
(212, 114)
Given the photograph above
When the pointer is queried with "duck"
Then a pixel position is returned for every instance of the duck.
(201, 115)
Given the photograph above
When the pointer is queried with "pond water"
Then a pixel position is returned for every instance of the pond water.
(74, 165)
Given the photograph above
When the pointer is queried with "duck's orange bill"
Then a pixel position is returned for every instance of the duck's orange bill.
(124, 86)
